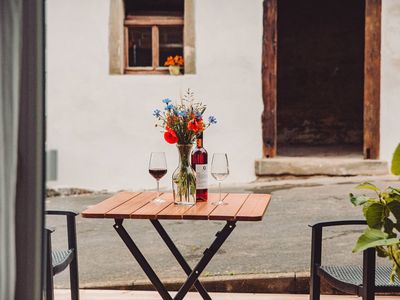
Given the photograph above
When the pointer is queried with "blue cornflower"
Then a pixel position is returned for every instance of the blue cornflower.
(166, 100)
(212, 120)
(181, 114)
(157, 113)
(169, 107)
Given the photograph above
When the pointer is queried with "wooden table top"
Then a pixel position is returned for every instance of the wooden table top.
(136, 205)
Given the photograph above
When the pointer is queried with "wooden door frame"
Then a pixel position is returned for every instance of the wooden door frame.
(372, 78)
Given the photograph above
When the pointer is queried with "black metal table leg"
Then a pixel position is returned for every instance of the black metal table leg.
(141, 260)
(193, 275)
(181, 260)
(221, 236)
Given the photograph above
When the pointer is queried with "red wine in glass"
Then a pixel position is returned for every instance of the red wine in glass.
(157, 169)
(158, 173)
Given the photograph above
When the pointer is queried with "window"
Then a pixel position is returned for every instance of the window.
(153, 30)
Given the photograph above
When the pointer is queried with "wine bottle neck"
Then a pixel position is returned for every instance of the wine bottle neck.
(199, 140)
(199, 143)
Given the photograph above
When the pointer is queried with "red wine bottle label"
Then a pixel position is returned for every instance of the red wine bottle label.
(201, 176)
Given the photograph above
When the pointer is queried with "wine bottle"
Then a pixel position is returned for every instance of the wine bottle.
(199, 164)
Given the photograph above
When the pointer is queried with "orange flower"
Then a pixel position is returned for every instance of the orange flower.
(178, 60)
(174, 61)
(201, 126)
(170, 61)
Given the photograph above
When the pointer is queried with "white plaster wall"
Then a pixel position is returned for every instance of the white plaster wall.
(102, 125)
(390, 80)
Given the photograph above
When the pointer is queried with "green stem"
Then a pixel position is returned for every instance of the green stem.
(393, 257)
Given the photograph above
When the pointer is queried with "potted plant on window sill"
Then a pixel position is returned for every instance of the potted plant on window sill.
(174, 64)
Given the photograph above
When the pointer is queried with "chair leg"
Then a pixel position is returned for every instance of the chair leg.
(368, 295)
(49, 270)
(49, 286)
(315, 286)
(316, 250)
(74, 279)
(369, 268)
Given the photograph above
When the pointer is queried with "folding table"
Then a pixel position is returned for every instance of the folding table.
(139, 205)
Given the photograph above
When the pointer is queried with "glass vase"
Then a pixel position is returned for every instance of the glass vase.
(184, 178)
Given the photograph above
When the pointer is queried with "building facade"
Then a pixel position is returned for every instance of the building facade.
(99, 118)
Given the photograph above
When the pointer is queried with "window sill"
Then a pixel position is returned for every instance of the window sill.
(148, 71)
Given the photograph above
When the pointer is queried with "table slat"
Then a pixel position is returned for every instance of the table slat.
(151, 210)
(136, 205)
(99, 210)
(202, 210)
(173, 211)
(254, 208)
(126, 209)
(229, 211)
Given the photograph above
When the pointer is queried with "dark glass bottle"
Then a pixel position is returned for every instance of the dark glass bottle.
(199, 164)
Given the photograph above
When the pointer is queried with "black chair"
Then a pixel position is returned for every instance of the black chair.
(363, 281)
(58, 260)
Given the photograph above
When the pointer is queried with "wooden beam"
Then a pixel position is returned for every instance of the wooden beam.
(126, 46)
(269, 78)
(153, 20)
(155, 46)
(372, 76)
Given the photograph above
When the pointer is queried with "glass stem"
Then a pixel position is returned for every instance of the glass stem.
(158, 189)
(220, 198)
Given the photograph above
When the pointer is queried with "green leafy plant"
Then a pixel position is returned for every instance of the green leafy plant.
(396, 161)
(382, 214)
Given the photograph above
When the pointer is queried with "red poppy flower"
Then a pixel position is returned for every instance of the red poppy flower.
(193, 125)
(170, 136)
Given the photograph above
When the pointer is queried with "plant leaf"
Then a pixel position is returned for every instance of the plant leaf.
(368, 186)
(373, 238)
(358, 200)
(388, 226)
(374, 214)
(396, 162)
(394, 190)
(394, 207)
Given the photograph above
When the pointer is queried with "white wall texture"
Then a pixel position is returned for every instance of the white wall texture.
(390, 78)
(102, 125)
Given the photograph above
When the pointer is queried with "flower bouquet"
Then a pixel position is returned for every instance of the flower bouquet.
(174, 64)
(181, 123)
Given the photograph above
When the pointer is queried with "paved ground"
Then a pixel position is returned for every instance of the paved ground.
(279, 244)
(139, 295)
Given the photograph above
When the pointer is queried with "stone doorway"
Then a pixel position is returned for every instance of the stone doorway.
(321, 78)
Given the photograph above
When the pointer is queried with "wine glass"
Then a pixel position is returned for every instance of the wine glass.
(157, 169)
(219, 170)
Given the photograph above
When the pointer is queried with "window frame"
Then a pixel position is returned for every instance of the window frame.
(154, 22)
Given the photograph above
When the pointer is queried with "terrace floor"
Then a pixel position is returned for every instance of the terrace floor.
(145, 295)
